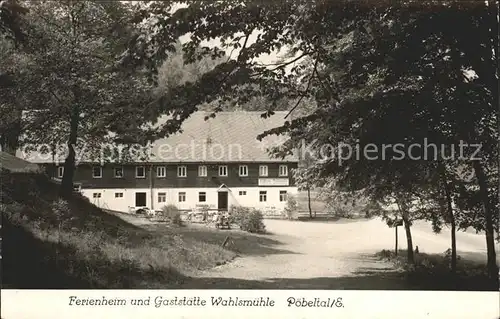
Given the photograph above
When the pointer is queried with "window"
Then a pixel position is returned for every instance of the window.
(77, 188)
(263, 170)
(283, 170)
(202, 170)
(181, 171)
(118, 172)
(140, 172)
(282, 196)
(262, 196)
(118, 195)
(161, 171)
(202, 197)
(60, 171)
(223, 170)
(243, 170)
(96, 195)
(162, 197)
(242, 193)
(182, 197)
(97, 172)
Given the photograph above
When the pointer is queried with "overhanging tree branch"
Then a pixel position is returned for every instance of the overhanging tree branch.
(304, 93)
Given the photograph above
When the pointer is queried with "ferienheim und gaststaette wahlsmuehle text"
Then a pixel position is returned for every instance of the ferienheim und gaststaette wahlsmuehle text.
(160, 301)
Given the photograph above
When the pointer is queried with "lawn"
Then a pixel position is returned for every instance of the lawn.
(49, 242)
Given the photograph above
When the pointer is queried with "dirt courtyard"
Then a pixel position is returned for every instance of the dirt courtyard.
(327, 255)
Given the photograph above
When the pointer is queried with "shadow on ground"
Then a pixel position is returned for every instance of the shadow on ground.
(378, 275)
(240, 242)
(475, 257)
(359, 281)
(366, 279)
(332, 219)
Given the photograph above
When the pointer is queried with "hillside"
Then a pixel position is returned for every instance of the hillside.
(49, 242)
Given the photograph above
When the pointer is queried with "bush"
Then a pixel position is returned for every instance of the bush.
(249, 219)
(60, 208)
(238, 213)
(172, 213)
(291, 207)
(342, 211)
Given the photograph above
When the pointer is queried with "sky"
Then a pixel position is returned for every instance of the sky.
(271, 58)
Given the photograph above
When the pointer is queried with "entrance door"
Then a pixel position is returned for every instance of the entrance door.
(140, 199)
(223, 201)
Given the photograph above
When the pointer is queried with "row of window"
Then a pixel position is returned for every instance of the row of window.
(161, 171)
(202, 196)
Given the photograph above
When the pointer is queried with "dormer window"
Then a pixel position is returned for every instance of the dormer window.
(243, 170)
(283, 170)
(118, 172)
(60, 171)
(97, 172)
(181, 171)
(140, 172)
(223, 170)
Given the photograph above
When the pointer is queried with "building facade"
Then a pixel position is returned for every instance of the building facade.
(217, 163)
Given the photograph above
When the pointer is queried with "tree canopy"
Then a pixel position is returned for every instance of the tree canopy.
(379, 74)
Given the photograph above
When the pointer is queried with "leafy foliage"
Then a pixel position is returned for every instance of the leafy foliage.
(11, 13)
(70, 87)
(172, 214)
(249, 219)
(383, 74)
(291, 207)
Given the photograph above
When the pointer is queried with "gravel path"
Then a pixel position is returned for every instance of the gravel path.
(320, 255)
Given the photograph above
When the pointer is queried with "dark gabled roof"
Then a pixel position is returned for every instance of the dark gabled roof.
(14, 164)
(229, 137)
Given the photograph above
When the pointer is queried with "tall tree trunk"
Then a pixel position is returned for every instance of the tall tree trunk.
(488, 215)
(403, 207)
(409, 241)
(69, 164)
(309, 201)
(9, 140)
(451, 218)
(396, 243)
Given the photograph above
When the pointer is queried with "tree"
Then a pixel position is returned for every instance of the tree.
(77, 87)
(11, 30)
(379, 75)
(11, 13)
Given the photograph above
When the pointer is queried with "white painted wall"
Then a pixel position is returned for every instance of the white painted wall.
(251, 199)
(109, 201)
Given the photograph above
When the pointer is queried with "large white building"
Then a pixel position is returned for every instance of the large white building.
(217, 162)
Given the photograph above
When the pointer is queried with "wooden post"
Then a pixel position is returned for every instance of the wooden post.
(225, 242)
(309, 201)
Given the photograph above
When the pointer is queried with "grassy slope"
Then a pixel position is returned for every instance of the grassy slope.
(50, 243)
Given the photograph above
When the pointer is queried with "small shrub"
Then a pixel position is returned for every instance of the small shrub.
(291, 207)
(172, 213)
(177, 220)
(14, 212)
(60, 208)
(249, 219)
(238, 213)
(342, 211)
(386, 254)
